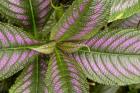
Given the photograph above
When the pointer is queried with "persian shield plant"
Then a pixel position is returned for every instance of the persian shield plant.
(59, 58)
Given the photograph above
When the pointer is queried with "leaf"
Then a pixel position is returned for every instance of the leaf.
(114, 58)
(59, 11)
(65, 76)
(124, 8)
(133, 21)
(29, 81)
(70, 47)
(14, 52)
(83, 19)
(45, 33)
(29, 13)
(46, 49)
(130, 22)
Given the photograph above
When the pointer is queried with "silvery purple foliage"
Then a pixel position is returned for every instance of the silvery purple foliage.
(79, 46)
(12, 61)
(87, 15)
(28, 83)
(20, 11)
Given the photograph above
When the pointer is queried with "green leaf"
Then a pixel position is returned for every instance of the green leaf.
(30, 81)
(44, 34)
(124, 8)
(14, 50)
(65, 76)
(29, 13)
(114, 57)
(83, 19)
(46, 49)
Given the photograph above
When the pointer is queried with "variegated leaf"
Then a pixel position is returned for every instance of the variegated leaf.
(65, 76)
(29, 13)
(114, 58)
(83, 19)
(32, 79)
(123, 9)
(14, 52)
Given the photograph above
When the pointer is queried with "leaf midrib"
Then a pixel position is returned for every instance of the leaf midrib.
(109, 53)
(61, 66)
(19, 48)
(33, 19)
(34, 29)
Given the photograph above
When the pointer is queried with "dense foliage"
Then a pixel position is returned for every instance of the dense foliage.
(69, 46)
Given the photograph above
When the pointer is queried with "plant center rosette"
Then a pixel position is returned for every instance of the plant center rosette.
(65, 46)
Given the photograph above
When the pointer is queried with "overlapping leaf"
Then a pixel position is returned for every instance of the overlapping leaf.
(27, 12)
(133, 21)
(30, 81)
(130, 22)
(114, 58)
(82, 20)
(65, 76)
(123, 9)
(14, 54)
(48, 26)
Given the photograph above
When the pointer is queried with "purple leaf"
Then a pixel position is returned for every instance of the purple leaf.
(11, 61)
(65, 76)
(11, 36)
(25, 11)
(114, 57)
(82, 20)
(133, 21)
(14, 54)
(119, 41)
(26, 82)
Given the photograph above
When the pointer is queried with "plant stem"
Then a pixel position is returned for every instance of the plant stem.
(19, 48)
(37, 75)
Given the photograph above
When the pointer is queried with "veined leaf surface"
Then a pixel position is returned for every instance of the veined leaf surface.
(14, 52)
(65, 76)
(29, 81)
(29, 13)
(83, 19)
(123, 9)
(133, 21)
(114, 58)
